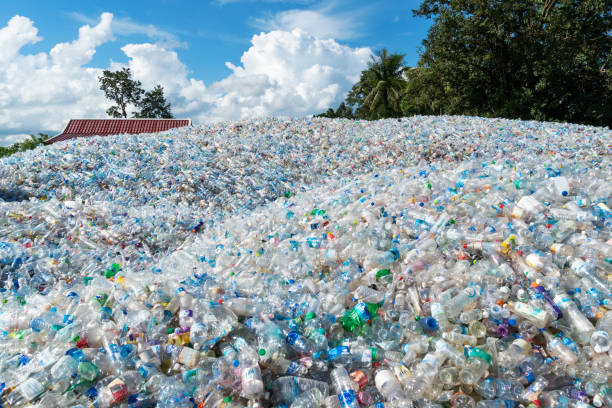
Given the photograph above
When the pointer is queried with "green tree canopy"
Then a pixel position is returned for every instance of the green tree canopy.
(342, 111)
(119, 87)
(28, 144)
(154, 105)
(529, 59)
(379, 90)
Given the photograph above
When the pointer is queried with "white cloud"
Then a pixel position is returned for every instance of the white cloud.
(323, 21)
(224, 2)
(287, 73)
(81, 50)
(283, 73)
(40, 92)
(14, 138)
(18, 32)
(126, 26)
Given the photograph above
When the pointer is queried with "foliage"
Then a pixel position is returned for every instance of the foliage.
(529, 59)
(378, 92)
(546, 60)
(342, 111)
(119, 87)
(30, 143)
(154, 105)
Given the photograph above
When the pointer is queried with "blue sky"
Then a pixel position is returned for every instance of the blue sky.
(185, 45)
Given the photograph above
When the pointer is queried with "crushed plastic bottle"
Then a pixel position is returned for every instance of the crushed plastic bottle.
(421, 262)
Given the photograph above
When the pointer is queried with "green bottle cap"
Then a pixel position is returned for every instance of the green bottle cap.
(227, 399)
(480, 353)
(262, 352)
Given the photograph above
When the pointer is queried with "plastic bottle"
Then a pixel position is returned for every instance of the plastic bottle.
(557, 349)
(600, 341)
(359, 315)
(311, 398)
(580, 324)
(462, 300)
(388, 386)
(344, 386)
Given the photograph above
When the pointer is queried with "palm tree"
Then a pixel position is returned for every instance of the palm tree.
(379, 91)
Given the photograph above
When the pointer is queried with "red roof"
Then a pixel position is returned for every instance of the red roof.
(104, 127)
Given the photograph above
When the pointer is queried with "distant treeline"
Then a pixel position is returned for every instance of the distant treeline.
(28, 144)
(547, 60)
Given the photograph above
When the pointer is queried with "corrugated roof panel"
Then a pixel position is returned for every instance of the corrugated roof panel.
(104, 127)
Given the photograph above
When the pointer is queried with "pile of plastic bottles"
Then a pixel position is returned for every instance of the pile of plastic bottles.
(427, 262)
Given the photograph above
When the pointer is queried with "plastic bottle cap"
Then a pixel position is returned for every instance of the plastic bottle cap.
(523, 344)
(262, 352)
(292, 337)
(480, 353)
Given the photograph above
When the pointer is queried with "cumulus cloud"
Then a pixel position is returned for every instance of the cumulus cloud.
(327, 20)
(127, 26)
(287, 73)
(18, 32)
(16, 138)
(283, 73)
(41, 91)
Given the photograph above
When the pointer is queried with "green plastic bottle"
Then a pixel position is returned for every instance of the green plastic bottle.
(359, 315)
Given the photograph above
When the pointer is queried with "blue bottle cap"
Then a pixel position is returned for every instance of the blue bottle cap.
(292, 337)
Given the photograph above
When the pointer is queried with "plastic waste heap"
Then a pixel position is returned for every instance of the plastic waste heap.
(425, 262)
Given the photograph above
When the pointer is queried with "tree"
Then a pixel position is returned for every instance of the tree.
(529, 59)
(119, 87)
(28, 144)
(342, 111)
(379, 90)
(154, 105)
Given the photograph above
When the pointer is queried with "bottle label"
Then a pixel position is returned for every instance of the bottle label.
(118, 390)
(363, 312)
(31, 389)
(348, 399)
(431, 359)
(338, 352)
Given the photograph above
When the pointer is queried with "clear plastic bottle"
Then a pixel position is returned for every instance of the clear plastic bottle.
(345, 387)
(580, 324)
(311, 398)
(600, 341)
(250, 375)
(462, 300)
(388, 386)
(556, 348)
(478, 363)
